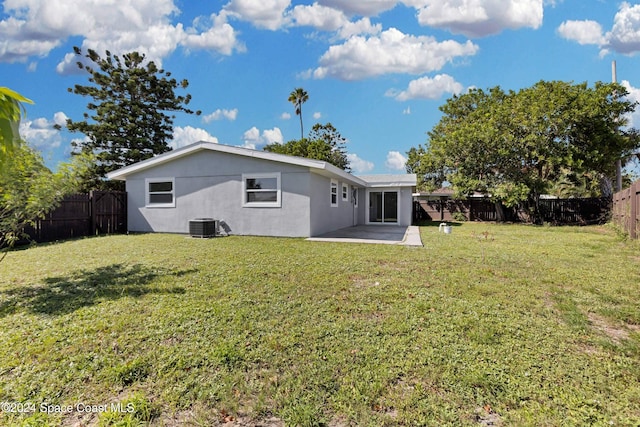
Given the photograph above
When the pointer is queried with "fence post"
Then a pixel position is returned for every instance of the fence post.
(633, 220)
(92, 212)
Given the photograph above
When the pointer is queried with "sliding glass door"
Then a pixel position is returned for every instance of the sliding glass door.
(383, 207)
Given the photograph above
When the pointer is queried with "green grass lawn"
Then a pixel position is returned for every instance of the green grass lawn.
(492, 325)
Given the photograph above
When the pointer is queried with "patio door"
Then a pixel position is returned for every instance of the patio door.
(383, 207)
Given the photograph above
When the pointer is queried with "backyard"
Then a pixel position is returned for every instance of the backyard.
(507, 325)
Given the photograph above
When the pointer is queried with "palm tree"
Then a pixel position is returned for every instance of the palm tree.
(298, 97)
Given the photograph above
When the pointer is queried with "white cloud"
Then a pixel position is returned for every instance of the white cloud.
(428, 88)
(285, 116)
(317, 115)
(359, 165)
(268, 14)
(395, 160)
(60, 118)
(221, 114)
(634, 96)
(390, 52)
(361, 7)
(188, 135)
(362, 26)
(330, 19)
(318, 16)
(407, 111)
(40, 133)
(253, 138)
(624, 36)
(33, 28)
(583, 32)
(479, 18)
(216, 35)
(272, 136)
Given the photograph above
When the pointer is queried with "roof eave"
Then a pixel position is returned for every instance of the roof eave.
(315, 165)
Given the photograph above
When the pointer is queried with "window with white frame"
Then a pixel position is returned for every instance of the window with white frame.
(345, 192)
(261, 190)
(160, 192)
(334, 192)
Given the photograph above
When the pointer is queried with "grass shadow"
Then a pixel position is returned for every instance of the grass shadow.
(65, 294)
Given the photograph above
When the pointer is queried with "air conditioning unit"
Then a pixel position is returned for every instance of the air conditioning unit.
(203, 227)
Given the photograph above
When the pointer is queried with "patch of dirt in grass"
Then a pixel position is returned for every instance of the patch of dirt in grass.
(633, 327)
(615, 333)
(80, 420)
(182, 418)
(199, 417)
(548, 301)
(249, 422)
(486, 417)
(363, 282)
(590, 350)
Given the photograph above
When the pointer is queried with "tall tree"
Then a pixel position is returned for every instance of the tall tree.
(11, 110)
(298, 97)
(514, 146)
(129, 119)
(328, 136)
(324, 143)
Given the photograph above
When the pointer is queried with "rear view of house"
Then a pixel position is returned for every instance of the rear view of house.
(258, 193)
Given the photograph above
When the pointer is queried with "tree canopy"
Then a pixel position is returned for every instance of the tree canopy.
(515, 146)
(29, 190)
(128, 118)
(324, 143)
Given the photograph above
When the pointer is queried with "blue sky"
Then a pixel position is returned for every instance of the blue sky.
(376, 69)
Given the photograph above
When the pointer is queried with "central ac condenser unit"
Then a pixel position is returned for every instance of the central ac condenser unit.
(203, 227)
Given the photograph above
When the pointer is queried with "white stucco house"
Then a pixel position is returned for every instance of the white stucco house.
(258, 193)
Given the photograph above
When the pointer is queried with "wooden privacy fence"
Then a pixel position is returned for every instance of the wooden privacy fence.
(626, 210)
(555, 211)
(99, 212)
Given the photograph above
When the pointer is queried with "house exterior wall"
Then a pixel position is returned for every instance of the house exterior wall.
(325, 217)
(362, 207)
(405, 204)
(209, 184)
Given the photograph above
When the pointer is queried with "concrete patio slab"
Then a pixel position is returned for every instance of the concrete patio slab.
(380, 234)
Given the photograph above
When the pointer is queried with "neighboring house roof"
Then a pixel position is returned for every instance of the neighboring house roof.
(446, 192)
(440, 192)
(317, 166)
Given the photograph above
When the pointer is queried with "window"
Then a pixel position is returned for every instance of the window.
(160, 192)
(261, 190)
(345, 192)
(334, 192)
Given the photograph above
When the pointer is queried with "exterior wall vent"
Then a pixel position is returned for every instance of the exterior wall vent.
(203, 227)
